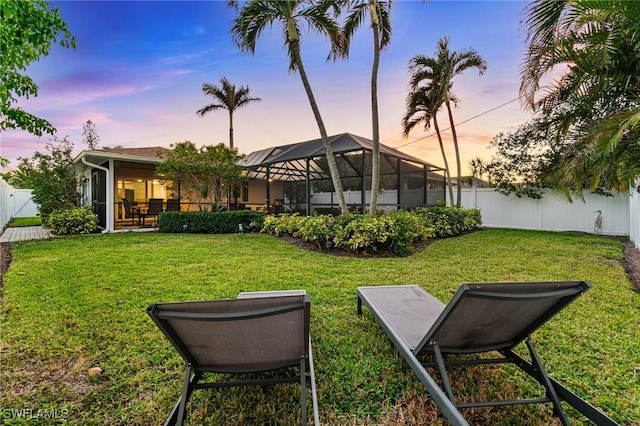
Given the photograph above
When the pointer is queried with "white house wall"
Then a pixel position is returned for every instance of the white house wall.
(550, 213)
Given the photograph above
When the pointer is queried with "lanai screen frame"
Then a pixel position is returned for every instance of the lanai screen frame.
(306, 162)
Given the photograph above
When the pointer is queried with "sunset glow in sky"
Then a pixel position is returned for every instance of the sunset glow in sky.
(138, 70)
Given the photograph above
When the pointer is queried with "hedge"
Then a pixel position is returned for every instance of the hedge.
(392, 232)
(210, 222)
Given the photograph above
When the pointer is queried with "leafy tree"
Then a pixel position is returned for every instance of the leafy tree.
(203, 173)
(423, 104)
(592, 50)
(228, 98)
(379, 16)
(525, 157)
(439, 71)
(292, 15)
(28, 29)
(51, 176)
(90, 135)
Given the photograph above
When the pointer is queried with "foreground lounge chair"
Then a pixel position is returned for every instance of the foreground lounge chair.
(238, 336)
(480, 318)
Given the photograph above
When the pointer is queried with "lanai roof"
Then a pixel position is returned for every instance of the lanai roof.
(288, 162)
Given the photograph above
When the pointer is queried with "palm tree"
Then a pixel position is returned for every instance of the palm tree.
(423, 105)
(478, 169)
(228, 98)
(378, 12)
(440, 70)
(256, 15)
(596, 48)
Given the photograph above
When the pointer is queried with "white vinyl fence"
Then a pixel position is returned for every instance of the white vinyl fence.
(15, 203)
(634, 215)
(552, 213)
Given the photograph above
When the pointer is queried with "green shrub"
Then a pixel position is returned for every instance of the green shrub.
(392, 232)
(318, 229)
(448, 221)
(210, 222)
(282, 224)
(80, 220)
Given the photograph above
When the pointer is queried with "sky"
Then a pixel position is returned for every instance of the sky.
(139, 66)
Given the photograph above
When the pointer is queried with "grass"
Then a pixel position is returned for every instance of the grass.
(73, 303)
(18, 222)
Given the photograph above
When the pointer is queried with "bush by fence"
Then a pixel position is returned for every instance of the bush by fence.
(394, 232)
(210, 222)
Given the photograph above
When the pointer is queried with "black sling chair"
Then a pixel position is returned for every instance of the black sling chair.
(237, 336)
(479, 318)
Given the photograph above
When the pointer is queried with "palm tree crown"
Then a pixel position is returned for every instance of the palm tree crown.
(227, 98)
(593, 51)
(256, 15)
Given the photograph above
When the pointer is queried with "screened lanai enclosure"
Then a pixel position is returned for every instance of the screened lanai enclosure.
(296, 178)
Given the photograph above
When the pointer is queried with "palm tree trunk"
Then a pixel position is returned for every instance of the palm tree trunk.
(444, 158)
(455, 145)
(230, 129)
(375, 154)
(230, 147)
(331, 160)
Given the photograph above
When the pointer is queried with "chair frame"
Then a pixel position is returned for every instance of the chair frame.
(195, 373)
(443, 395)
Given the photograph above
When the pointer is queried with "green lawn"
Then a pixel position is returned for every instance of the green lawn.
(73, 303)
(18, 222)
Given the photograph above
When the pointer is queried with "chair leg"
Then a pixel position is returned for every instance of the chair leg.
(314, 393)
(442, 369)
(303, 390)
(179, 412)
(546, 382)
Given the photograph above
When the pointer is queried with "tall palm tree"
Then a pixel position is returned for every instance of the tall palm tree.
(228, 98)
(378, 12)
(423, 105)
(256, 15)
(440, 70)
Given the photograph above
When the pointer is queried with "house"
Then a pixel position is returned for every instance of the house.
(287, 178)
(113, 174)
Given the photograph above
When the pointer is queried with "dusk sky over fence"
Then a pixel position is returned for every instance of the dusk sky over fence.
(138, 70)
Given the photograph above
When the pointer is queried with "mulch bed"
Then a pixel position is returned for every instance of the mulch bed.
(5, 259)
(631, 259)
(631, 263)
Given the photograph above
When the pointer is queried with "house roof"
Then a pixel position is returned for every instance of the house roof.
(283, 162)
(288, 162)
(150, 152)
(152, 155)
